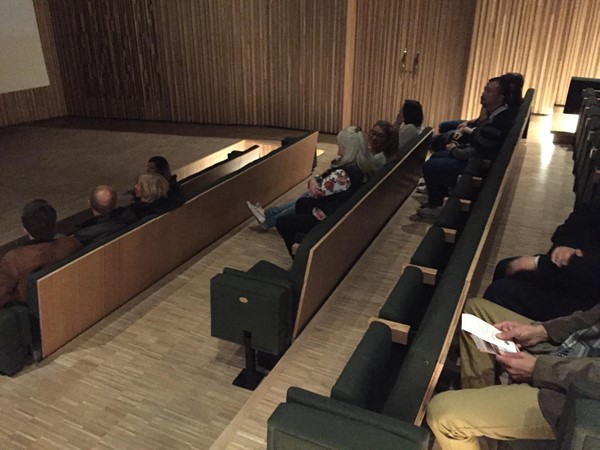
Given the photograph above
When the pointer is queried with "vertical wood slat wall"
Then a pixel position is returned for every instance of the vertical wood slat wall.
(427, 27)
(252, 62)
(548, 41)
(283, 62)
(39, 103)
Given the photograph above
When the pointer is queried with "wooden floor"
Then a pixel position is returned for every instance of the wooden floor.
(150, 375)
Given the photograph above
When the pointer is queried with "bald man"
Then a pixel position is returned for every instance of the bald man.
(107, 219)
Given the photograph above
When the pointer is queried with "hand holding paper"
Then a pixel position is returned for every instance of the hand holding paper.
(484, 335)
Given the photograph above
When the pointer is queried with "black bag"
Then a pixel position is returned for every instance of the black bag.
(15, 338)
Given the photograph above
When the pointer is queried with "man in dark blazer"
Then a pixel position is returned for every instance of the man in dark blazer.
(443, 168)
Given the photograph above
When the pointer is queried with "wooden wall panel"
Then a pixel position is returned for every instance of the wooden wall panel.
(255, 62)
(548, 41)
(44, 102)
(440, 32)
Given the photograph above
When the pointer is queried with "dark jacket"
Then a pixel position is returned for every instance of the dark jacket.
(488, 137)
(581, 276)
(104, 225)
(143, 209)
(175, 194)
(553, 374)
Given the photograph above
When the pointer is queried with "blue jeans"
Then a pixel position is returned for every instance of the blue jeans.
(275, 212)
(440, 173)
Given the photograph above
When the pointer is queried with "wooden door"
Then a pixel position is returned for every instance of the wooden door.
(436, 35)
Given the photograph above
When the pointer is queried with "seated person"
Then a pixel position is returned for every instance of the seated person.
(39, 221)
(563, 280)
(442, 169)
(160, 166)
(107, 217)
(150, 193)
(383, 143)
(347, 173)
(408, 121)
(554, 354)
(382, 140)
(450, 129)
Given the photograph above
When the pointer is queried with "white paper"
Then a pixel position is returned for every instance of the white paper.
(484, 335)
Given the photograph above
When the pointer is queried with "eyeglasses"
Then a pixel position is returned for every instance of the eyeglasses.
(375, 133)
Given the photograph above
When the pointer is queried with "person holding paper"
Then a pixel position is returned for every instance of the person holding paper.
(553, 354)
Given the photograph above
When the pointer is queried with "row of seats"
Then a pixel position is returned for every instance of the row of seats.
(107, 273)
(381, 395)
(267, 306)
(586, 143)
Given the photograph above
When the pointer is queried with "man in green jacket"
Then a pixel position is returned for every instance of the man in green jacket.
(554, 354)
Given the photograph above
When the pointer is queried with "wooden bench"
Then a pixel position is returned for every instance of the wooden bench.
(73, 295)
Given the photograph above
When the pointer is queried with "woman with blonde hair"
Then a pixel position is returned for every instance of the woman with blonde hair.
(352, 168)
(150, 193)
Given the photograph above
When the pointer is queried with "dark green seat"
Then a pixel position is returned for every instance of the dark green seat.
(369, 374)
(409, 298)
(465, 188)
(452, 215)
(15, 338)
(311, 421)
(433, 251)
(266, 310)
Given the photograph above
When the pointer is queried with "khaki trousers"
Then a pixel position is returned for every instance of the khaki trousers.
(459, 419)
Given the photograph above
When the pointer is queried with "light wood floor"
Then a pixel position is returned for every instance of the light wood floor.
(150, 375)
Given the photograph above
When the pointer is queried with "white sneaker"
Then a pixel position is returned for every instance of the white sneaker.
(257, 212)
(432, 212)
(422, 189)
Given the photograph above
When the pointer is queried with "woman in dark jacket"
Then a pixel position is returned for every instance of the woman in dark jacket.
(352, 168)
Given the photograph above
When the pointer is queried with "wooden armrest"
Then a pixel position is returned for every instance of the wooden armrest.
(450, 235)
(429, 274)
(465, 205)
(399, 330)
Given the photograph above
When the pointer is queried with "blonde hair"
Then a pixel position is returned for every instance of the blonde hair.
(356, 150)
(153, 186)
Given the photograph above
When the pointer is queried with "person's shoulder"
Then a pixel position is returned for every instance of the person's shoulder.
(67, 242)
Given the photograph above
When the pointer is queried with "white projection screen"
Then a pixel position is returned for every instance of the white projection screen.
(22, 63)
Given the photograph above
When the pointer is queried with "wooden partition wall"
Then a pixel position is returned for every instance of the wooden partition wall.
(336, 252)
(82, 292)
(249, 62)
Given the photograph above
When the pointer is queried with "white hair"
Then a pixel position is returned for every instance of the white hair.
(356, 150)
